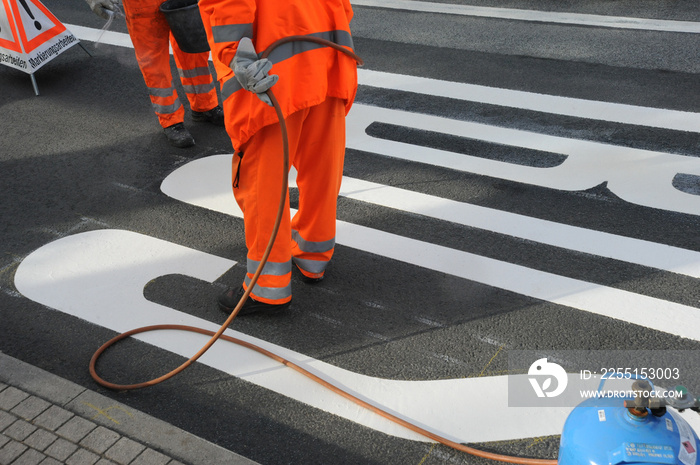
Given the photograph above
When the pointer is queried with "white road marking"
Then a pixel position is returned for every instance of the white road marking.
(206, 183)
(99, 276)
(553, 104)
(580, 108)
(213, 192)
(620, 22)
(90, 34)
(637, 251)
(643, 177)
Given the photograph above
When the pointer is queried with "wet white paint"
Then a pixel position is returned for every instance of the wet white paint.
(642, 177)
(90, 34)
(640, 252)
(544, 103)
(99, 276)
(580, 108)
(619, 22)
(206, 183)
(215, 194)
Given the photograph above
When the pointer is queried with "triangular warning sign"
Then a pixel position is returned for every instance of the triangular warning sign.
(9, 38)
(30, 35)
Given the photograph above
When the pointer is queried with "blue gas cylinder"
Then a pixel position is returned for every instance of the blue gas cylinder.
(603, 432)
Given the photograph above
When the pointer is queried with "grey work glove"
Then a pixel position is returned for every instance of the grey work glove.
(103, 7)
(252, 72)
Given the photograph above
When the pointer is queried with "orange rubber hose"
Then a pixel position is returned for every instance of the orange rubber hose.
(219, 334)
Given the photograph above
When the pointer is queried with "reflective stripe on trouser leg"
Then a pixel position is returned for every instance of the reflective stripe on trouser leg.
(258, 192)
(166, 105)
(275, 286)
(319, 157)
(316, 252)
(149, 32)
(196, 78)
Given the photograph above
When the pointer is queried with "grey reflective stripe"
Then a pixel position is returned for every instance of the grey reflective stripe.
(165, 109)
(310, 246)
(312, 266)
(288, 50)
(272, 293)
(161, 91)
(199, 89)
(195, 72)
(230, 87)
(271, 268)
(231, 32)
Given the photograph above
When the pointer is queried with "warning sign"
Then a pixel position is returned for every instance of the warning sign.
(30, 36)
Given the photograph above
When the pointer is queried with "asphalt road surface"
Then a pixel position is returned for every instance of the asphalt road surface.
(517, 187)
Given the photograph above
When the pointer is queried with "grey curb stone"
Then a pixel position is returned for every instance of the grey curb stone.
(11, 397)
(30, 407)
(124, 451)
(150, 431)
(151, 457)
(50, 461)
(19, 430)
(61, 449)
(40, 439)
(83, 457)
(100, 439)
(30, 457)
(11, 451)
(76, 429)
(53, 418)
(6, 419)
(81, 415)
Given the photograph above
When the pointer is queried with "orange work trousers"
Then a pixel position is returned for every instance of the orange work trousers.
(317, 151)
(150, 34)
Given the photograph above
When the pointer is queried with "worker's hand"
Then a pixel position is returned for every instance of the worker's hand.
(102, 7)
(251, 72)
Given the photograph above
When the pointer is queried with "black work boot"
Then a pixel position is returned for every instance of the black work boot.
(230, 298)
(213, 116)
(179, 136)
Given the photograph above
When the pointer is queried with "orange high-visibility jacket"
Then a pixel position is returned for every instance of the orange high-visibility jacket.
(308, 73)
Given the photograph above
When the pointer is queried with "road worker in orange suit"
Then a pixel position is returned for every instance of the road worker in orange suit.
(315, 86)
(150, 34)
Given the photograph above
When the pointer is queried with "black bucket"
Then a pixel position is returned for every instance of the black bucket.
(186, 25)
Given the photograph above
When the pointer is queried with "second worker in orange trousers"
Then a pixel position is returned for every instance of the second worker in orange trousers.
(150, 34)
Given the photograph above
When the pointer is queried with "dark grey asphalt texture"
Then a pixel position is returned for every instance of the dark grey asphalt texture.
(89, 154)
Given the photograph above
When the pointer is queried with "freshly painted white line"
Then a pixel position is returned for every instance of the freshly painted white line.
(640, 252)
(110, 37)
(649, 312)
(643, 177)
(212, 191)
(99, 276)
(580, 108)
(580, 19)
(215, 194)
(553, 104)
